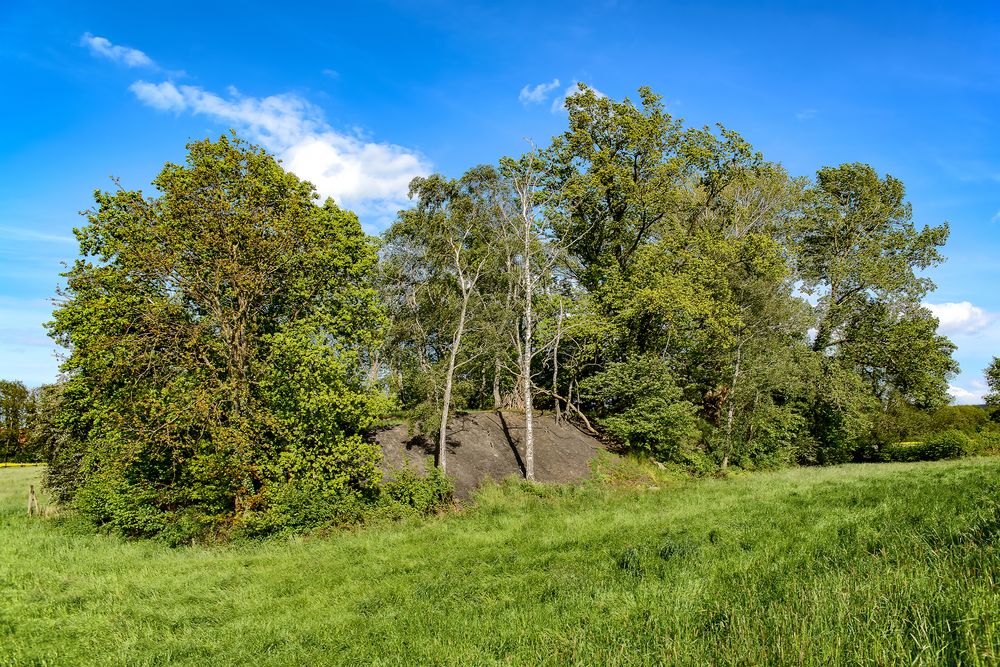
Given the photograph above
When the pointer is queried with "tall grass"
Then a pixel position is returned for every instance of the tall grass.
(876, 564)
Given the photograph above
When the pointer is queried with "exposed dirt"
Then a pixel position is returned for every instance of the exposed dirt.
(489, 445)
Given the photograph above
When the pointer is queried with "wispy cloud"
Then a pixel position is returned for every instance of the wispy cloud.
(962, 396)
(962, 318)
(20, 234)
(970, 170)
(123, 55)
(559, 103)
(537, 94)
(371, 178)
(162, 96)
(806, 114)
(996, 217)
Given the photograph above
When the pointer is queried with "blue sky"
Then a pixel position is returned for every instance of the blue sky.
(360, 97)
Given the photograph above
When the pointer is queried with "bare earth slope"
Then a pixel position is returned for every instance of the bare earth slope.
(488, 445)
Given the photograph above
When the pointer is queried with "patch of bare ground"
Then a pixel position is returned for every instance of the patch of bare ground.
(490, 446)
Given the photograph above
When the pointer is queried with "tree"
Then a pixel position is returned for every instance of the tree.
(214, 336)
(437, 254)
(17, 407)
(857, 246)
(620, 172)
(651, 275)
(992, 374)
(524, 178)
(858, 251)
(643, 406)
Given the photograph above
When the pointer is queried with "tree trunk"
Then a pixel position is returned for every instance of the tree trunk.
(555, 365)
(529, 435)
(497, 397)
(526, 353)
(456, 342)
(731, 410)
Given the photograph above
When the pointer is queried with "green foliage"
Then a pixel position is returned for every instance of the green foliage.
(841, 413)
(18, 406)
(859, 252)
(644, 406)
(230, 342)
(775, 434)
(216, 334)
(652, 240)
(965, 418)
(297, 508)
(951, 444)
(422, 493)
(992, 374)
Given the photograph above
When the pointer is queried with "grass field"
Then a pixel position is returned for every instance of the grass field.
(866, 564)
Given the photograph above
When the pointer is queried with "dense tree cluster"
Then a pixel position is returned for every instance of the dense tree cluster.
(215, 336)
(18, 405)
(694, 299)
(231, 343)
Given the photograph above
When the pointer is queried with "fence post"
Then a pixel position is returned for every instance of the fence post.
(32, 501)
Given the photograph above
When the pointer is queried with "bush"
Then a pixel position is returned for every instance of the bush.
(422, 493)
(108, 499)
(297, 508)
(951, 444)
(642, 406)
(989, 440)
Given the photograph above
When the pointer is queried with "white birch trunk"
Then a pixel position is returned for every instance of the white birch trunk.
(456, 342)
(731, 411)
(526, 352)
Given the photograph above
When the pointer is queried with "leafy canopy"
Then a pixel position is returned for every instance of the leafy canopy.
(214, 335)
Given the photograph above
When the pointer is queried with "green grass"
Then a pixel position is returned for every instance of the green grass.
(875, 564)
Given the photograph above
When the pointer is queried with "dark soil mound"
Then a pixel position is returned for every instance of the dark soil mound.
(490, 445)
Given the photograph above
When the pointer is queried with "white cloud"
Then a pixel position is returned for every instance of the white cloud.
(21, 234)
(537, 94)
(100, 46)
(369, 178)
(996, 217)
(559, 103)
(163, 96)
(959, 318)
(805, 114)
(963, 396)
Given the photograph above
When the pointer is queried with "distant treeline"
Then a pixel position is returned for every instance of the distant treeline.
(232, 343)
(18, 408)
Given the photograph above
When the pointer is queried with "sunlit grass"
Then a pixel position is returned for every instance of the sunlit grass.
(864, 564)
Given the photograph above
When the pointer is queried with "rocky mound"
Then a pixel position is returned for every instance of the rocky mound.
(490, 445)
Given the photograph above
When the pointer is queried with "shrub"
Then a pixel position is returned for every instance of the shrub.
(108, 499)
(422, 493)
(945, 445)
(301, 507)
(989, 440)
(642, 406)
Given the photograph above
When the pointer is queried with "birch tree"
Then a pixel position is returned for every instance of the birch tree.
(444, 243)
(537, 252)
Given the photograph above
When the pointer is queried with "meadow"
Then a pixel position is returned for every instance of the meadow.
(857, 564)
